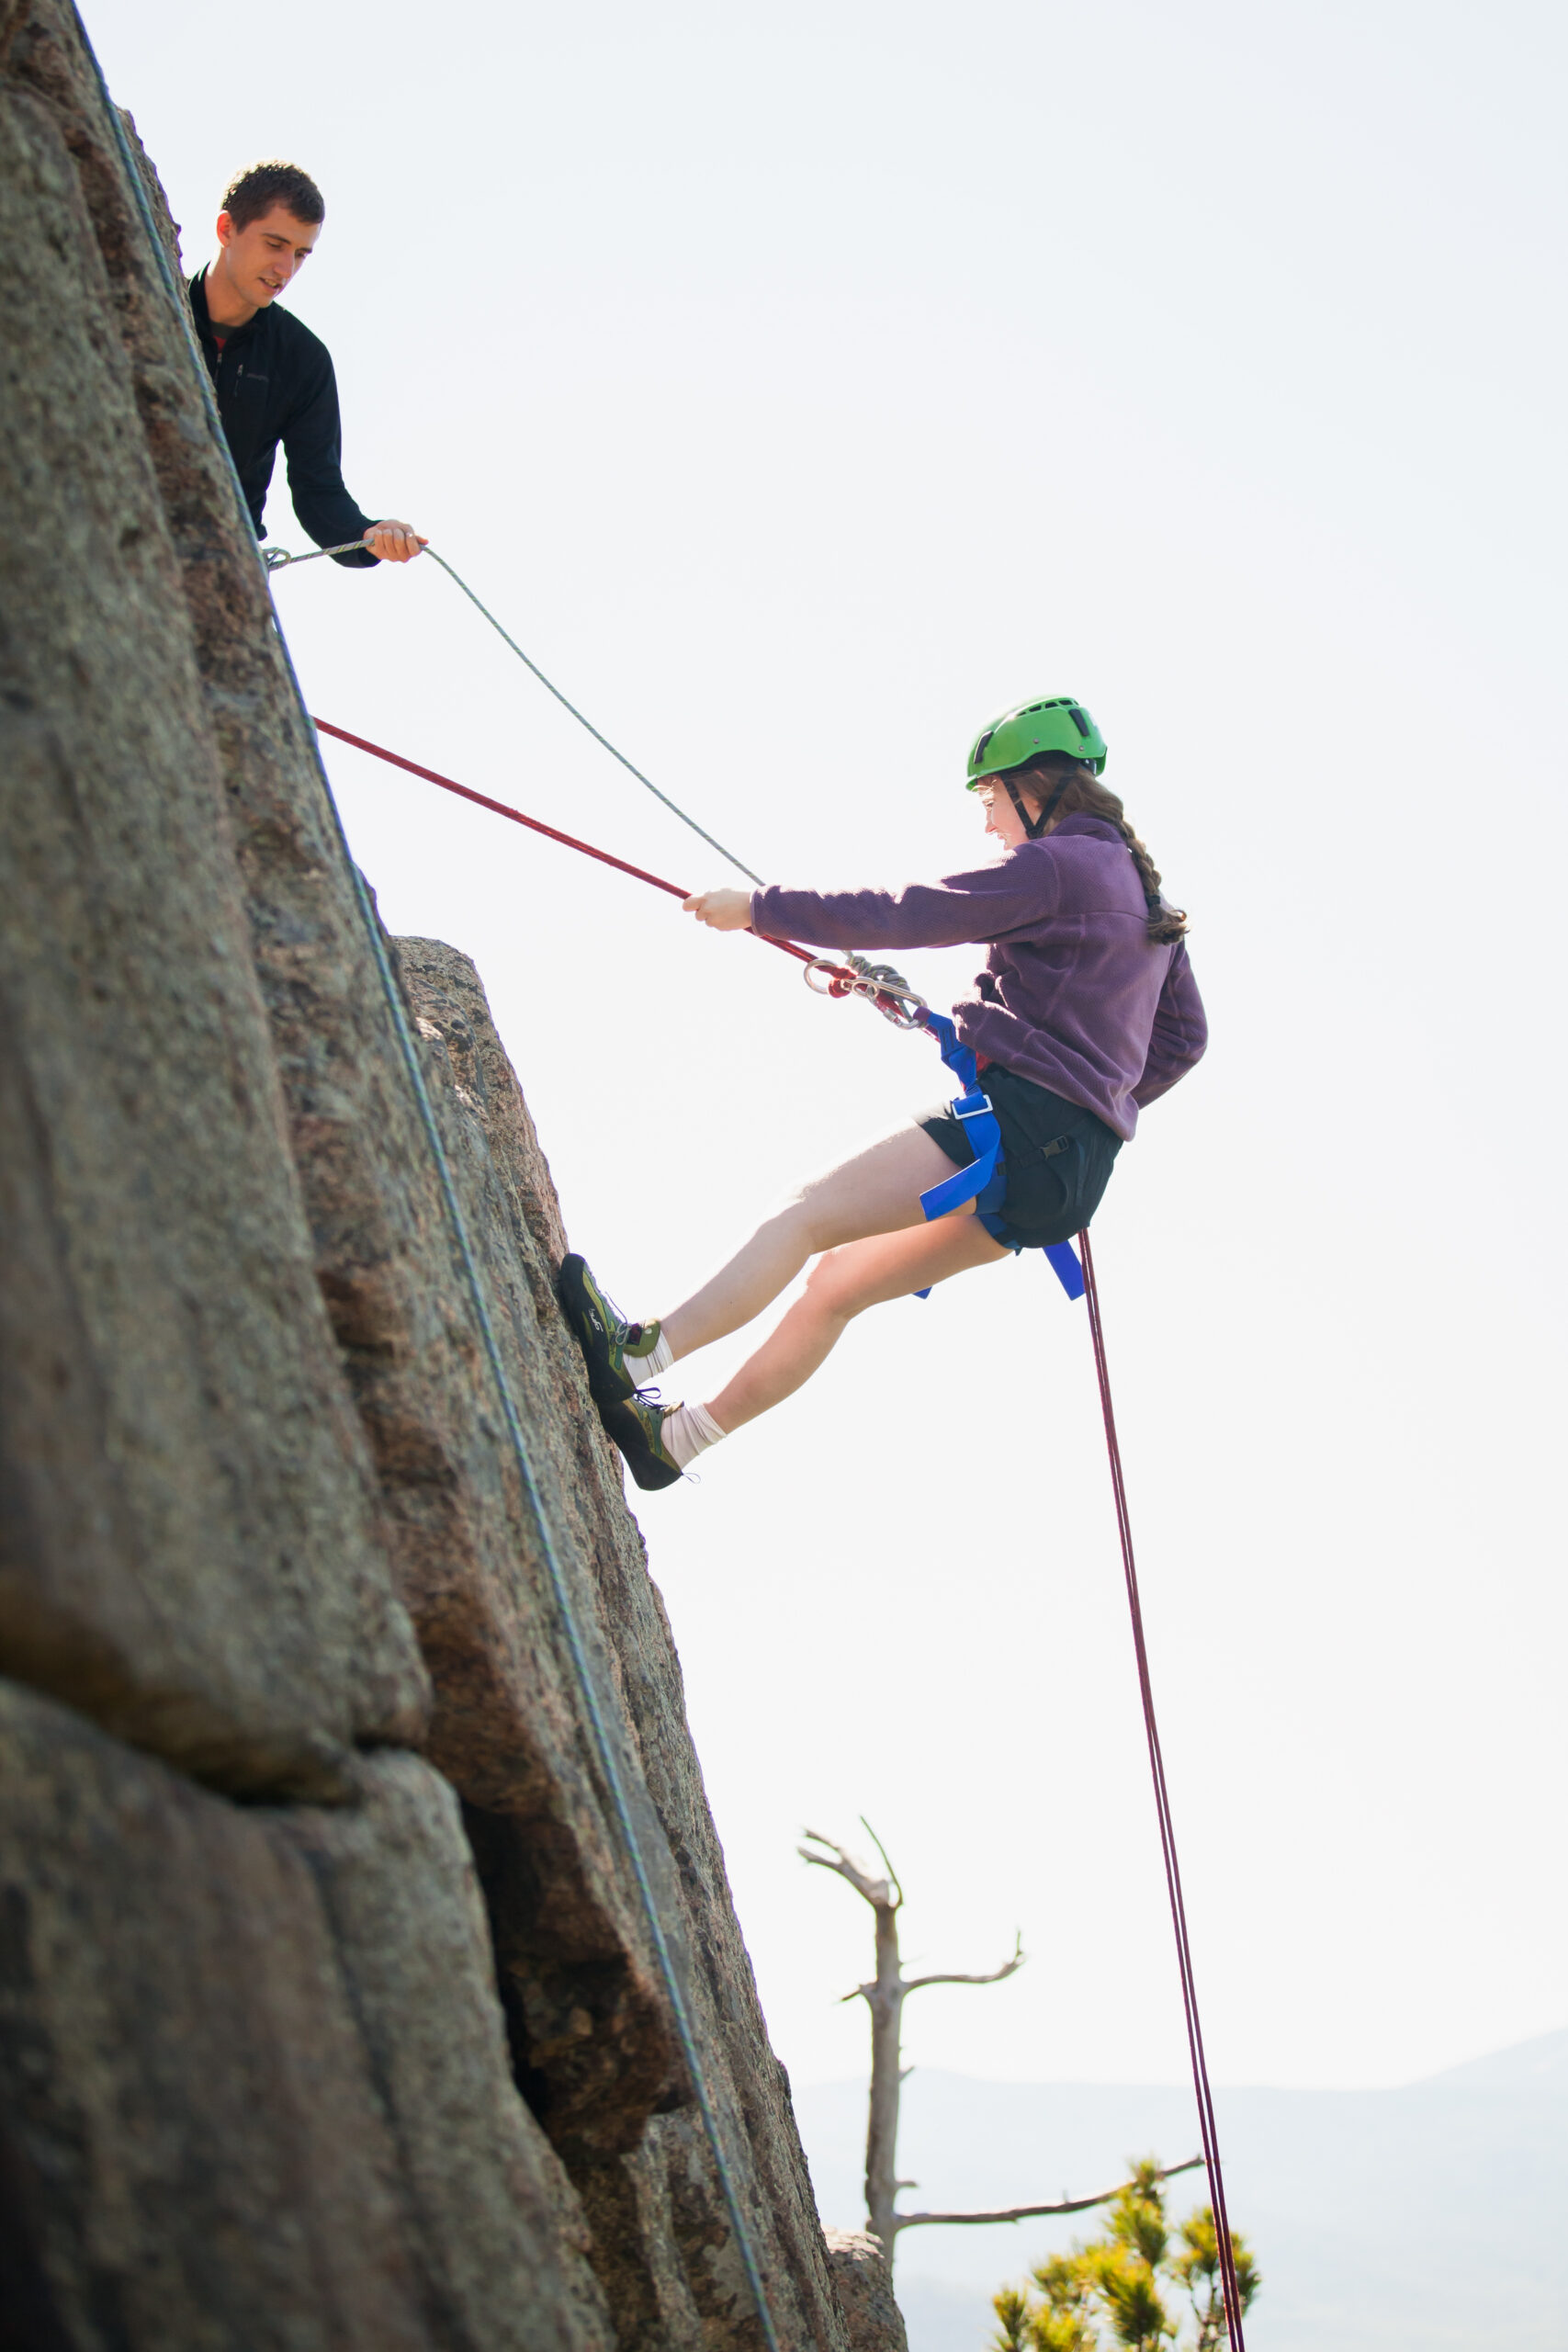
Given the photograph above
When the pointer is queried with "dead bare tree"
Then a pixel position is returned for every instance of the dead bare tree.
(885, 1997)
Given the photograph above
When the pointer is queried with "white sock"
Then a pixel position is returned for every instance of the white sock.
(659, 1358)
(689, 1430)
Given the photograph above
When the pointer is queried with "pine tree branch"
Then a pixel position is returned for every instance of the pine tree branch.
(1007, 1968)
(893, 1879)
(1030, 2212)
(877, 1891)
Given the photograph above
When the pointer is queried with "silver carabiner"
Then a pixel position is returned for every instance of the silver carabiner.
(879, 984)
(906, 1008)
(889, 991)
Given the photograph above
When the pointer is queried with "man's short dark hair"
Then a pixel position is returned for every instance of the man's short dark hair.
(254, 191)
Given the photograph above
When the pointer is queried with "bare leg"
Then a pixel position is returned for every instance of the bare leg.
(877, 1192)
(846, 1282)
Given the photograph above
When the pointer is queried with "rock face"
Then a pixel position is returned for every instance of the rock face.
(257, 2076)
(329, 2011)
(864, 2279)
(197, 1554)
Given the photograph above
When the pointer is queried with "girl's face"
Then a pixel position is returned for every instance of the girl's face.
(1002, 819)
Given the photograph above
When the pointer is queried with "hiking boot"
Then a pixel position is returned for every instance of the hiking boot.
(611, 1346)
(637, 1427)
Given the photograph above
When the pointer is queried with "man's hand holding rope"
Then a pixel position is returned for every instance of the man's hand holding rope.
(394, 542)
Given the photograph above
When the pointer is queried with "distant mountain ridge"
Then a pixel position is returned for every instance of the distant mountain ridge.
(1426, 2218)
(1537, 2065)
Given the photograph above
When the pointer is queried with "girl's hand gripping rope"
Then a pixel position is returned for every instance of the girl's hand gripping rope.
(722, 909)
(845, 975)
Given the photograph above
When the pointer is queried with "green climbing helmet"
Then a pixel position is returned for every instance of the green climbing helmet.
(1054, 723)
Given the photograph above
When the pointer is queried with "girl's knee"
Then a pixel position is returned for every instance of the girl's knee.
(811, 1229)
(832, 1286)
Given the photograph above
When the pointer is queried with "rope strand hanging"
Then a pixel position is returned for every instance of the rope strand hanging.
(603, 1746)
(1207, 2127)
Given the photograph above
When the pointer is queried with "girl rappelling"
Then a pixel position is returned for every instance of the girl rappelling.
(1086, 1013)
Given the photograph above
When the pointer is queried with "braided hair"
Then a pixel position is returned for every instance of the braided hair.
(1069, 787)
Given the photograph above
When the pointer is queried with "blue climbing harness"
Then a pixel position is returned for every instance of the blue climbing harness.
(984, 1181)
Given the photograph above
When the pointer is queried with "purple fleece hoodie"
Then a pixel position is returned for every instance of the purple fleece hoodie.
(1075, 994)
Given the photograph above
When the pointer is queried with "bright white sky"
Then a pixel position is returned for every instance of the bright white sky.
(803, 385)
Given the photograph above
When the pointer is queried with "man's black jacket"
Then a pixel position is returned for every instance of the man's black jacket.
(274, 382)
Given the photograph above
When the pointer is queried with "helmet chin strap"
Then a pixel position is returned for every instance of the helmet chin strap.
(1034, 828)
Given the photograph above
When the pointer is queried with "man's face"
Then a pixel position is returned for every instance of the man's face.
(260, 260)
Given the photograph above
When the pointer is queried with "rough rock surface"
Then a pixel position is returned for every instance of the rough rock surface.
(865, 2280)
(191, 1546)
(381, 2056)
(252, 2068)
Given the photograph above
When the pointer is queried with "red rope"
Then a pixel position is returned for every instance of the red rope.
(1166, 1832)
(568, 841)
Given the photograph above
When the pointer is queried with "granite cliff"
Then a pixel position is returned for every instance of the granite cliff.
(329, 2012)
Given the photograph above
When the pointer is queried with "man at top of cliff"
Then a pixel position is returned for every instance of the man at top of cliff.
(274, 378)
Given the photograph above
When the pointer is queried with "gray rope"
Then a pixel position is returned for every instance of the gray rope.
(674, 810)
(603, 1747)
(276, 560)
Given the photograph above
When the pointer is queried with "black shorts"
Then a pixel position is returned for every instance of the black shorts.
(1059, 1158)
